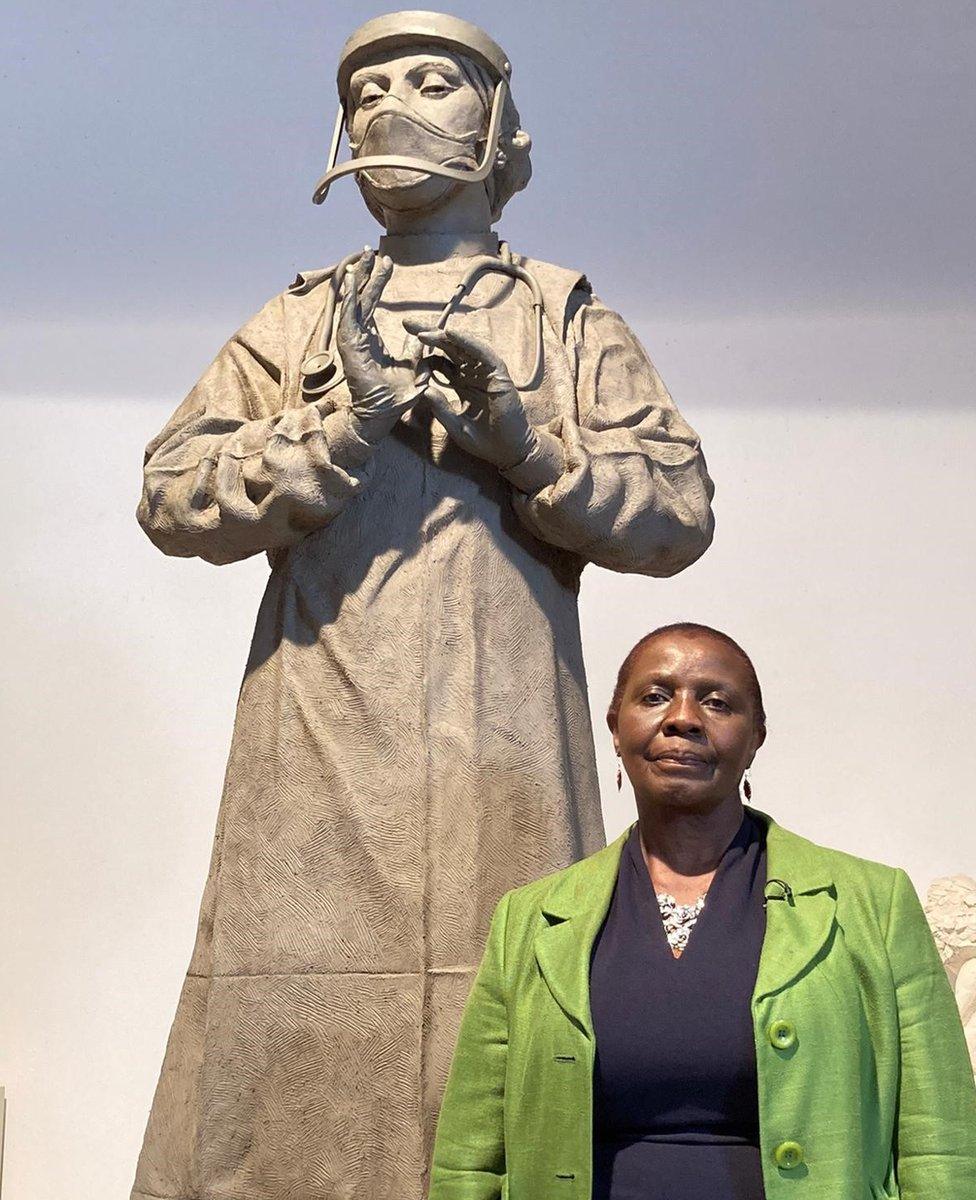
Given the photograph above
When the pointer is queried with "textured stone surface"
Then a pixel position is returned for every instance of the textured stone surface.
(412, 740)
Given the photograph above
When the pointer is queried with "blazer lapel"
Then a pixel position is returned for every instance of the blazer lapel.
(798, 926)
(573, 912)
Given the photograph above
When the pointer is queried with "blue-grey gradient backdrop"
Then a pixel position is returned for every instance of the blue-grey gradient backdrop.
(695, 155)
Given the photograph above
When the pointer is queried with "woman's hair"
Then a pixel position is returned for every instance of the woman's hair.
(689, 629)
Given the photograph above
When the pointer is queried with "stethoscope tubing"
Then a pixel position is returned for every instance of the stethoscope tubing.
(322, 360)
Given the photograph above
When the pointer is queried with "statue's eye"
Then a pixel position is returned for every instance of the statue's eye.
(435, 86)
(371, 94)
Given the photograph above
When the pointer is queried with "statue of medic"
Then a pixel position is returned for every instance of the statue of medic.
(429, 441)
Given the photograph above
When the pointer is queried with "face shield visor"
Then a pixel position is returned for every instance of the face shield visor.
(405, 31)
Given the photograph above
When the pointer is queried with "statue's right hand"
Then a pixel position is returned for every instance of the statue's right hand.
(382, 388)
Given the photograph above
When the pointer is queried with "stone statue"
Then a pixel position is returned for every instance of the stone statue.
(951, 909)
(429, 443)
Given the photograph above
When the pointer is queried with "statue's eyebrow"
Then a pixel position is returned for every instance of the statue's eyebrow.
(443, 65)
(368, 75)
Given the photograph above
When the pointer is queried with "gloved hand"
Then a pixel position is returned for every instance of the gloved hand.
(382, 387)
(486, 416)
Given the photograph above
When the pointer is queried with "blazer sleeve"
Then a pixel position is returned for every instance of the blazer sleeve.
(935, 1138)
(469, 1149)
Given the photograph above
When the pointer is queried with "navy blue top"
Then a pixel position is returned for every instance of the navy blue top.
(675, 1099)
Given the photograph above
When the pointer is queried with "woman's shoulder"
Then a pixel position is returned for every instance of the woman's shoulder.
(860, 885)
(572, 887)
(801, 862)
(786, 844)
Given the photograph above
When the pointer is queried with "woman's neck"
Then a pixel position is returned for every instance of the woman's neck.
(682, 848)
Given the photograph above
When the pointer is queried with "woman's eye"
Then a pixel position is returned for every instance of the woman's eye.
(655, 697)
(718, 703)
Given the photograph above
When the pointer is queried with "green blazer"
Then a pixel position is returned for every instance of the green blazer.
(865, 1084)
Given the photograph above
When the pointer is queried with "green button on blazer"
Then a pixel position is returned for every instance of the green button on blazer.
(865, 1084)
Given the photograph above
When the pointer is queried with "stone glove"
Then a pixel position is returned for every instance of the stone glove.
(485, 414)
(382, 387)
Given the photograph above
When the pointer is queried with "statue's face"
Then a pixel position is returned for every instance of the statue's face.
(423, 105)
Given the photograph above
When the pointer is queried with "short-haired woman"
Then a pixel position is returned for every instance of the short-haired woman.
(711, 1006)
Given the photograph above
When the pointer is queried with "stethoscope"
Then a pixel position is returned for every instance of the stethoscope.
(321, 372)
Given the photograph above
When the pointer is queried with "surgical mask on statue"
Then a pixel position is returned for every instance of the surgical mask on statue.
(395, 129)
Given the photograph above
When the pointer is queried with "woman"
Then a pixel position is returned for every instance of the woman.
(776, 1015)
(412, 736)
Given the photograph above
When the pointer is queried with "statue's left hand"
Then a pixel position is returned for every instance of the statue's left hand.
(382, 388)
(486, 416)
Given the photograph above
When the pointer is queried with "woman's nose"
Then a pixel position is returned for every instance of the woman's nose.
(683, 716)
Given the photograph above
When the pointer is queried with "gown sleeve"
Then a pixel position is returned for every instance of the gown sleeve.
(935, 1141)
(634, 494)
(236, 471)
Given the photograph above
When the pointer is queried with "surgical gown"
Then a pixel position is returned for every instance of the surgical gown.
(412, 735)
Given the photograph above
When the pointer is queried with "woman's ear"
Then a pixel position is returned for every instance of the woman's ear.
(612, 726)
(760, 737)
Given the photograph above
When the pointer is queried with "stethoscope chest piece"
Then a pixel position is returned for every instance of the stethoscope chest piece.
(321, 363)
(319, 371)
(319, 374)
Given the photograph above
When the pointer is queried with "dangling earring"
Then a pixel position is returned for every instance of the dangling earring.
(746, 785)
(620, 775)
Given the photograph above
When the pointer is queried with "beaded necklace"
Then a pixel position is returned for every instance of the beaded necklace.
(679, 919)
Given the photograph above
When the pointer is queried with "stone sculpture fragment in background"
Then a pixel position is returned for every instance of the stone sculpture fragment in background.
(951, 909)
(412, 735)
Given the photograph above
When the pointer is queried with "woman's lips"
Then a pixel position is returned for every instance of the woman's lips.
(678, 761)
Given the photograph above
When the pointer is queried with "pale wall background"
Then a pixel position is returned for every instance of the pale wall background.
(791, 237)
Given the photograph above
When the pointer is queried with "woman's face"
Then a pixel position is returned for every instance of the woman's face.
(686, 729)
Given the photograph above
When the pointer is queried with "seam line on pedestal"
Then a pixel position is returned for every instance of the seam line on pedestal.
(458, 970)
